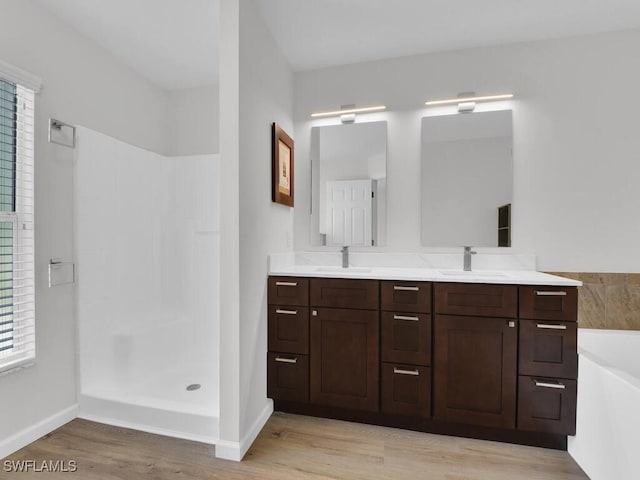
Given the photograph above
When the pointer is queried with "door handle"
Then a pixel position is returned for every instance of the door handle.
(551, 327)
(406, 289)
(287, 360)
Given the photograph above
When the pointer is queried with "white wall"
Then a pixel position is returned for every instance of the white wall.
(256, 89)
(81, 84)
(575, 140)
(193, 121)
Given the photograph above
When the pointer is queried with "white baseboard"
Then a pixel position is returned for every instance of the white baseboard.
(236, 450)
(34, 432)
(149, 429)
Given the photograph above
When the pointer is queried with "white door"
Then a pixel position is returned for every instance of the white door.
(349, 211)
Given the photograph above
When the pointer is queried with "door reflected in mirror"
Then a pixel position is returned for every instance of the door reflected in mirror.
(349, 184)
(467, 179)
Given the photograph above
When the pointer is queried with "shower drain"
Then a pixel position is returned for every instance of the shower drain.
(193, 386)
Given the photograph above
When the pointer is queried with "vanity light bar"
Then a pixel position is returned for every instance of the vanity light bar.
(346, 111)
(486, 98)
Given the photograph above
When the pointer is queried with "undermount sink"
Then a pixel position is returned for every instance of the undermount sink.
(345, 270)
(473, 274)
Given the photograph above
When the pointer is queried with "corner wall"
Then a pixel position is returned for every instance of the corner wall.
(262, 94)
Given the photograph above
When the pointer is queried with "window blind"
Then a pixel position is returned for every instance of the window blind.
(17, 298)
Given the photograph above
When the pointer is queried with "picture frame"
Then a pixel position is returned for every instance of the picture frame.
(282, 167)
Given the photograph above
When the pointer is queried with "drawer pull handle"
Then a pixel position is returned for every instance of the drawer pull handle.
(287, 360)
(549, 385)
(406, 289)
(286, 284)
(553, 293)
(287, 312)
(551, 327)
(401, 371)
(406, 317)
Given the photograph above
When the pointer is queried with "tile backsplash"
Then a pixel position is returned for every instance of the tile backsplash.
(607, 300)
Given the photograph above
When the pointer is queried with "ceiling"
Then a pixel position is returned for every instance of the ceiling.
(174, 43)
(316, 34)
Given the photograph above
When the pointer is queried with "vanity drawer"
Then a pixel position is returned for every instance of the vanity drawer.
(548, 348)
(405, 296)
(288, 329)
(547, 405)
(288, 377)
(288, 291)
(406, 338)
(549, 303)
(406, 390)
(476, 299)
(344, 293)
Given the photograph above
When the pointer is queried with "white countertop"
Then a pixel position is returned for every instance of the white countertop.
(317, 266)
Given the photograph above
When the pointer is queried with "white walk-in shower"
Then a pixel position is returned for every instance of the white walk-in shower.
(147, 251)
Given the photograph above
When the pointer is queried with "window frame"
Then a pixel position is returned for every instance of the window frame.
(19, 318)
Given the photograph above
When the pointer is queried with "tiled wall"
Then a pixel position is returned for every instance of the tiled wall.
(608, 300)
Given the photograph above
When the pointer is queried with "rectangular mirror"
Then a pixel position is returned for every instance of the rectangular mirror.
(349, 184)
(467, 179)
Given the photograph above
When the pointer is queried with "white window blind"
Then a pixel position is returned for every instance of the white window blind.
(17, 296)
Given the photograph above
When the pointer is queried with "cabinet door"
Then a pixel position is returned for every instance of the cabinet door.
(405, 296)
(476, 299)
(288, 329)
(344, 293)
(288, 377)
(475, 370)
(406, 390)
(344, 358)
(406, 338)
(548, 348)
(547, 405)
(288, 291)
(549, 303)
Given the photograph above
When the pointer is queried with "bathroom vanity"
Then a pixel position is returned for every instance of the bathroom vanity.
(490, 357)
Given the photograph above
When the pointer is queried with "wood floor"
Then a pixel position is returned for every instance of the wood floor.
(292, 447)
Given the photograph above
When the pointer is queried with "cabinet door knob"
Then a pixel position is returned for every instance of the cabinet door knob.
(551, 327)
(512, 324)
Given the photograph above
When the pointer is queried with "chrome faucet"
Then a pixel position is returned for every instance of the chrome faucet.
(345, 256)
(467, 258)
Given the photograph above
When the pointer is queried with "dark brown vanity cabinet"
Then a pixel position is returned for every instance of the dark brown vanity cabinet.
(483, 360)
(548, 359)
(475, 354)
(288, 339)
(406, 348)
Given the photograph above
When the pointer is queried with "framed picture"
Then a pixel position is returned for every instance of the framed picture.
(282, 168)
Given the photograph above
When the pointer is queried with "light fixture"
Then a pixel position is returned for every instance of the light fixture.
(348, 111)
(469, 99)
